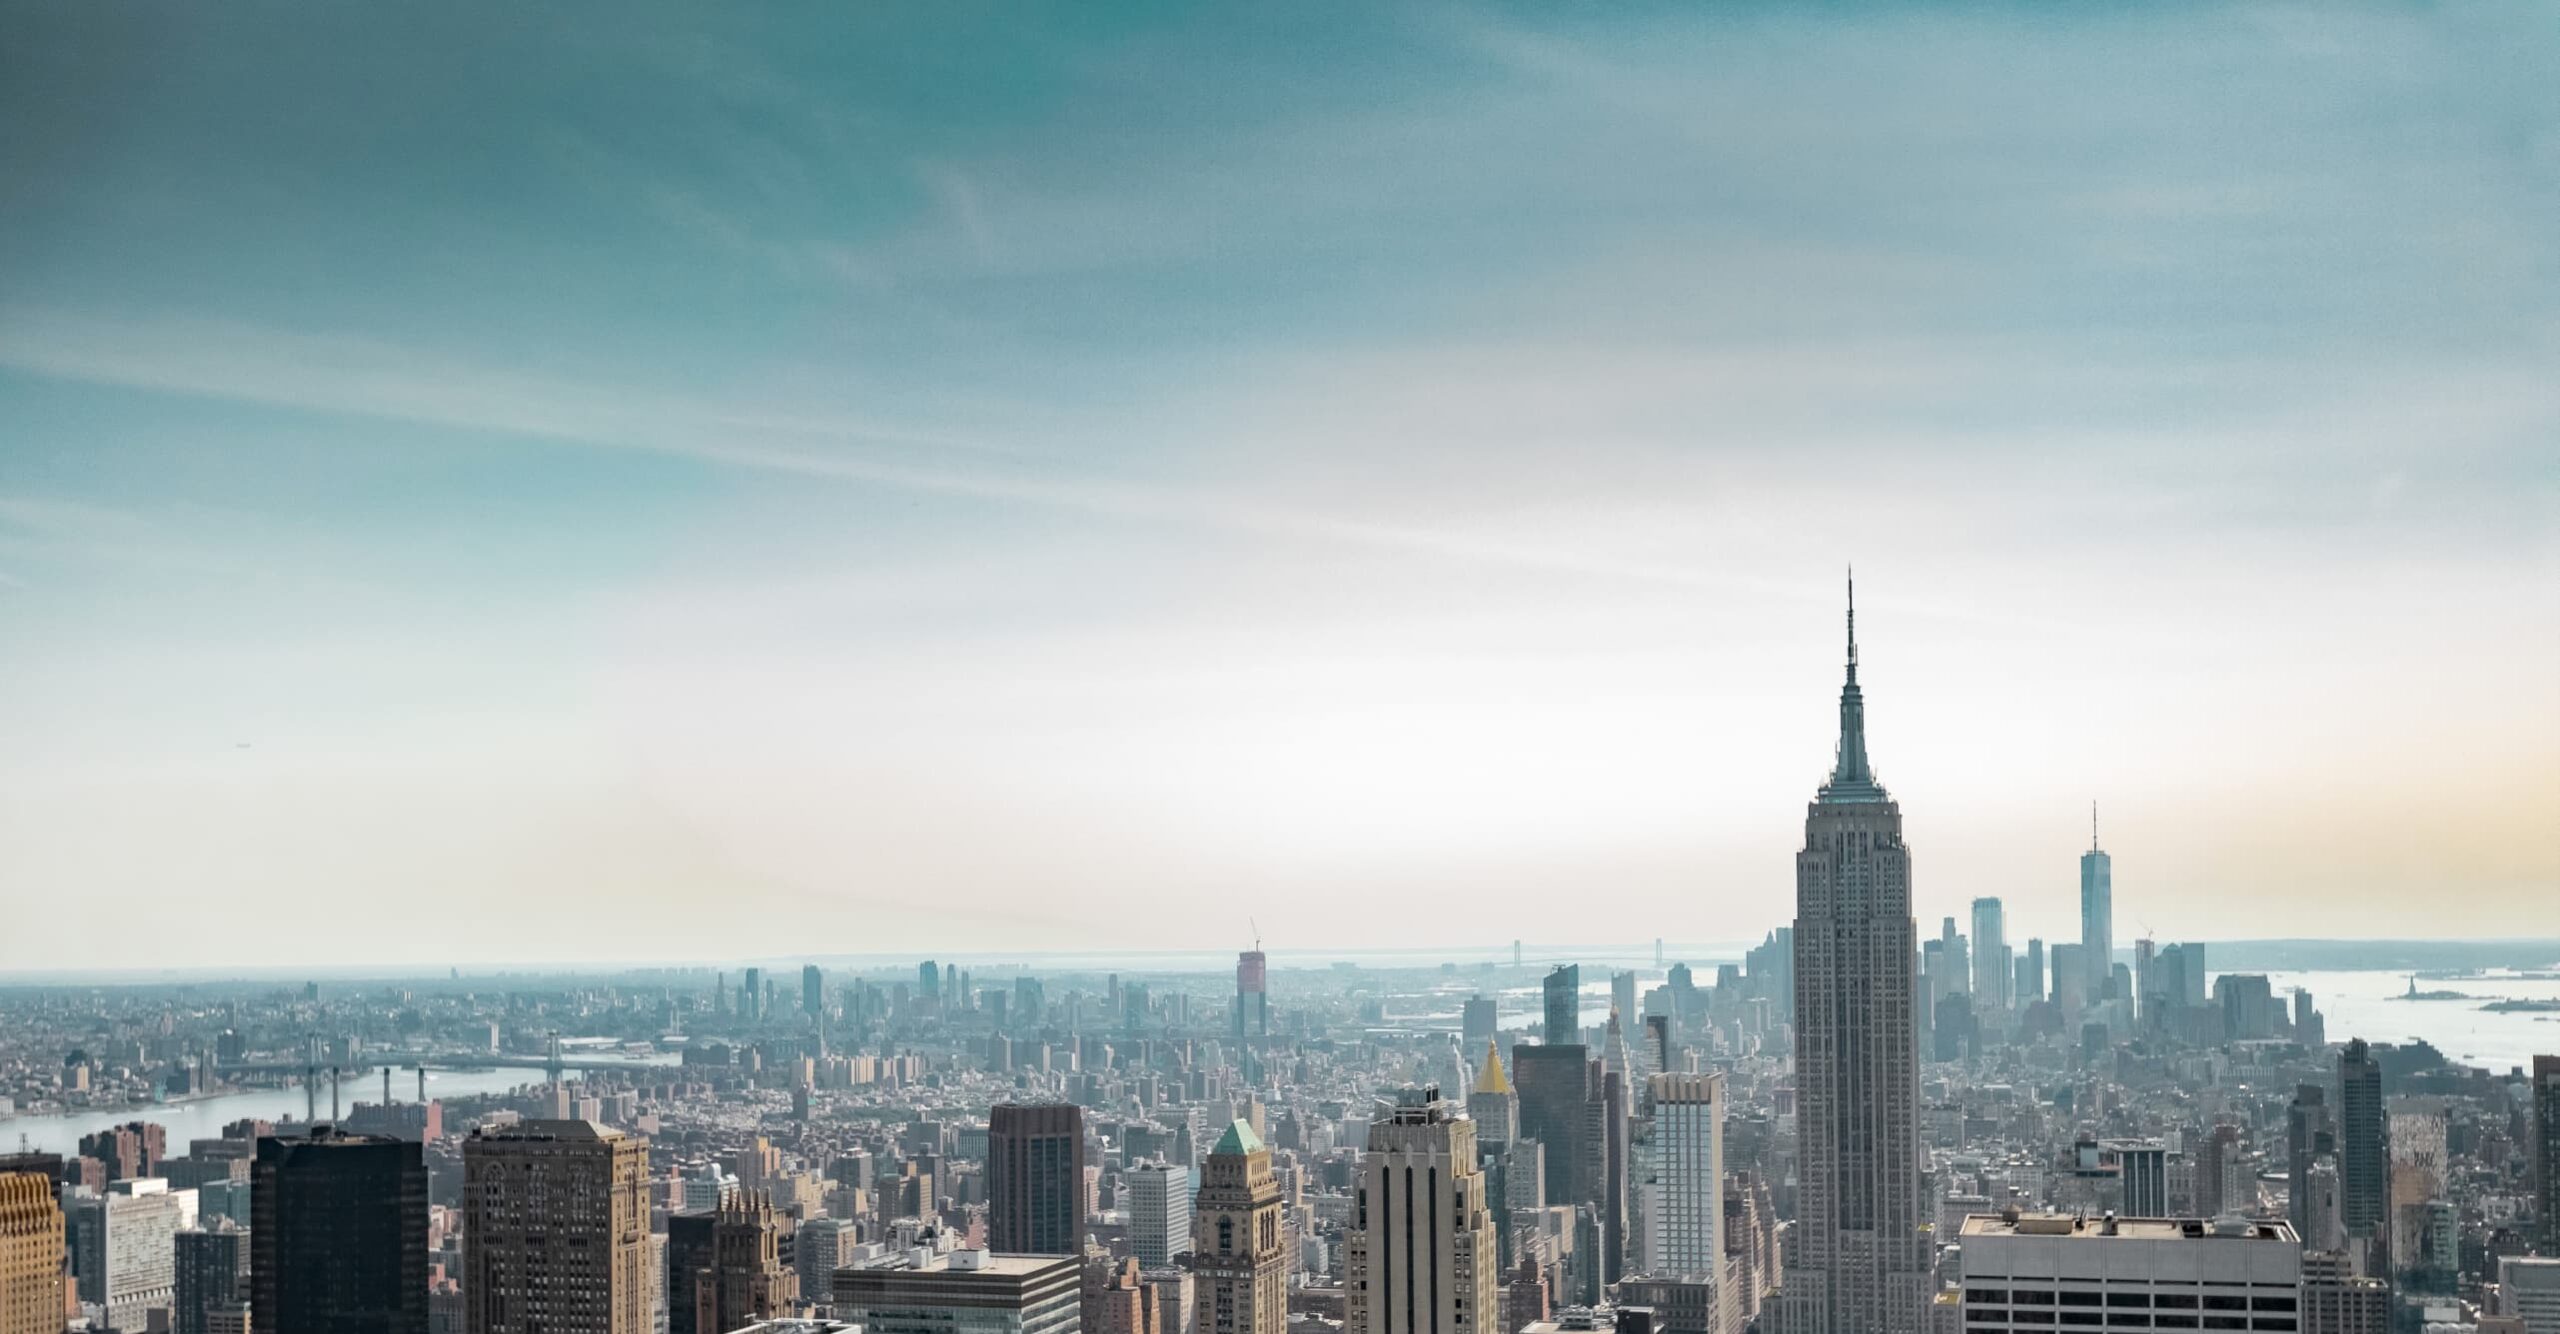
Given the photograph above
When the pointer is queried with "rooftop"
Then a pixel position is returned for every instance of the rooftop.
(2104, 1228)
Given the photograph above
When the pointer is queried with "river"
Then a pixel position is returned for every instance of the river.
(204, 1118)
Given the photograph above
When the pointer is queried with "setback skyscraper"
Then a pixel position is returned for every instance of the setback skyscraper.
(1420, 1250)
(1862, 1263)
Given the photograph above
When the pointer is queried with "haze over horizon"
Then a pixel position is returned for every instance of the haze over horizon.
(1090, 477)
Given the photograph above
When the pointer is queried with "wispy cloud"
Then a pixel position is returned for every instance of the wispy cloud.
(369, 378)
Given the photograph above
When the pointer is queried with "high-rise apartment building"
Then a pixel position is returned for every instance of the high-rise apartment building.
(1239, 1247)
(130, 1151)
(724, 1267)
(2546, 1150)
(1420, 1251)
(31, 1254)
(1035, 1179)
(212, 1275)
(555, 1233)
(2023, 1271)
(2364, 1145)
(1563, 1005)
(1993, 978)
(1159, 1212)
(1680, 1179)
(965, 1292)
(1864, 1258)
(2097, 916)
(338, 1235)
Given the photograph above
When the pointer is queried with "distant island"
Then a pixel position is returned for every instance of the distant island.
(2417, 995)
(2523, 1006)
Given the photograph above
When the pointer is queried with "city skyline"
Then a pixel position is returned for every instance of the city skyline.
(1099, 463)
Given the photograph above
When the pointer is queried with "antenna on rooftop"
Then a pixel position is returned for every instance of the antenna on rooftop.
(1257, 934)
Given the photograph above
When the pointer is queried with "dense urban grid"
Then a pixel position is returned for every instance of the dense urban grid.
(1853, 1128)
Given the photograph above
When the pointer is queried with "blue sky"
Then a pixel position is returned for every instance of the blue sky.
(1106, 463)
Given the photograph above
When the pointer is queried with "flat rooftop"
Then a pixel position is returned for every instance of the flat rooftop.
(2096, 1228)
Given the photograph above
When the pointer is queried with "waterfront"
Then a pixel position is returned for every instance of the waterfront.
(2362, 1005)
(203, 1118)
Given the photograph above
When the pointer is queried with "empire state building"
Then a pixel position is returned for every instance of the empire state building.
(1860, 1260)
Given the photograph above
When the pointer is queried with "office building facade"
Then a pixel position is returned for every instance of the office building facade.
(1035, 1179)
(31, 1255)
(964, 1292)
(556, 1230)
(1421, 1255)
(2048, 1271)
(338, 1237)
(1239, 1244)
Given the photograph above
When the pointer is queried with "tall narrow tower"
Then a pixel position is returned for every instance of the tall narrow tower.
(2097, 915)
(1862, 1261)
(1239, 1258)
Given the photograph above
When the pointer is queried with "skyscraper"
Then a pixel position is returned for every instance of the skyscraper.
(2546, 1149)
(1253, 997)
(1680, 1180)
(1564, 1005)
(813, 990)
(556, 1230)
(1992, 975)
(1420, 1250)
(1561, 1106)
(31, 1242)
(213, 1275)
(1478, 1022)
(338, 1235)
(1159, 1212)
(1239, 1257)
(2364, 1145)
(2097, 915)
(2307, 1136)
(1492, 1105)
(724, 1267)
(1035, 1179)
(1863, 1264)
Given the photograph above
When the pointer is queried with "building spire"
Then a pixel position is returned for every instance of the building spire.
(2093, 824)
(1851, 778)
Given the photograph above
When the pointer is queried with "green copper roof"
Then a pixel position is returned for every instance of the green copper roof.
(1239, 1139)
